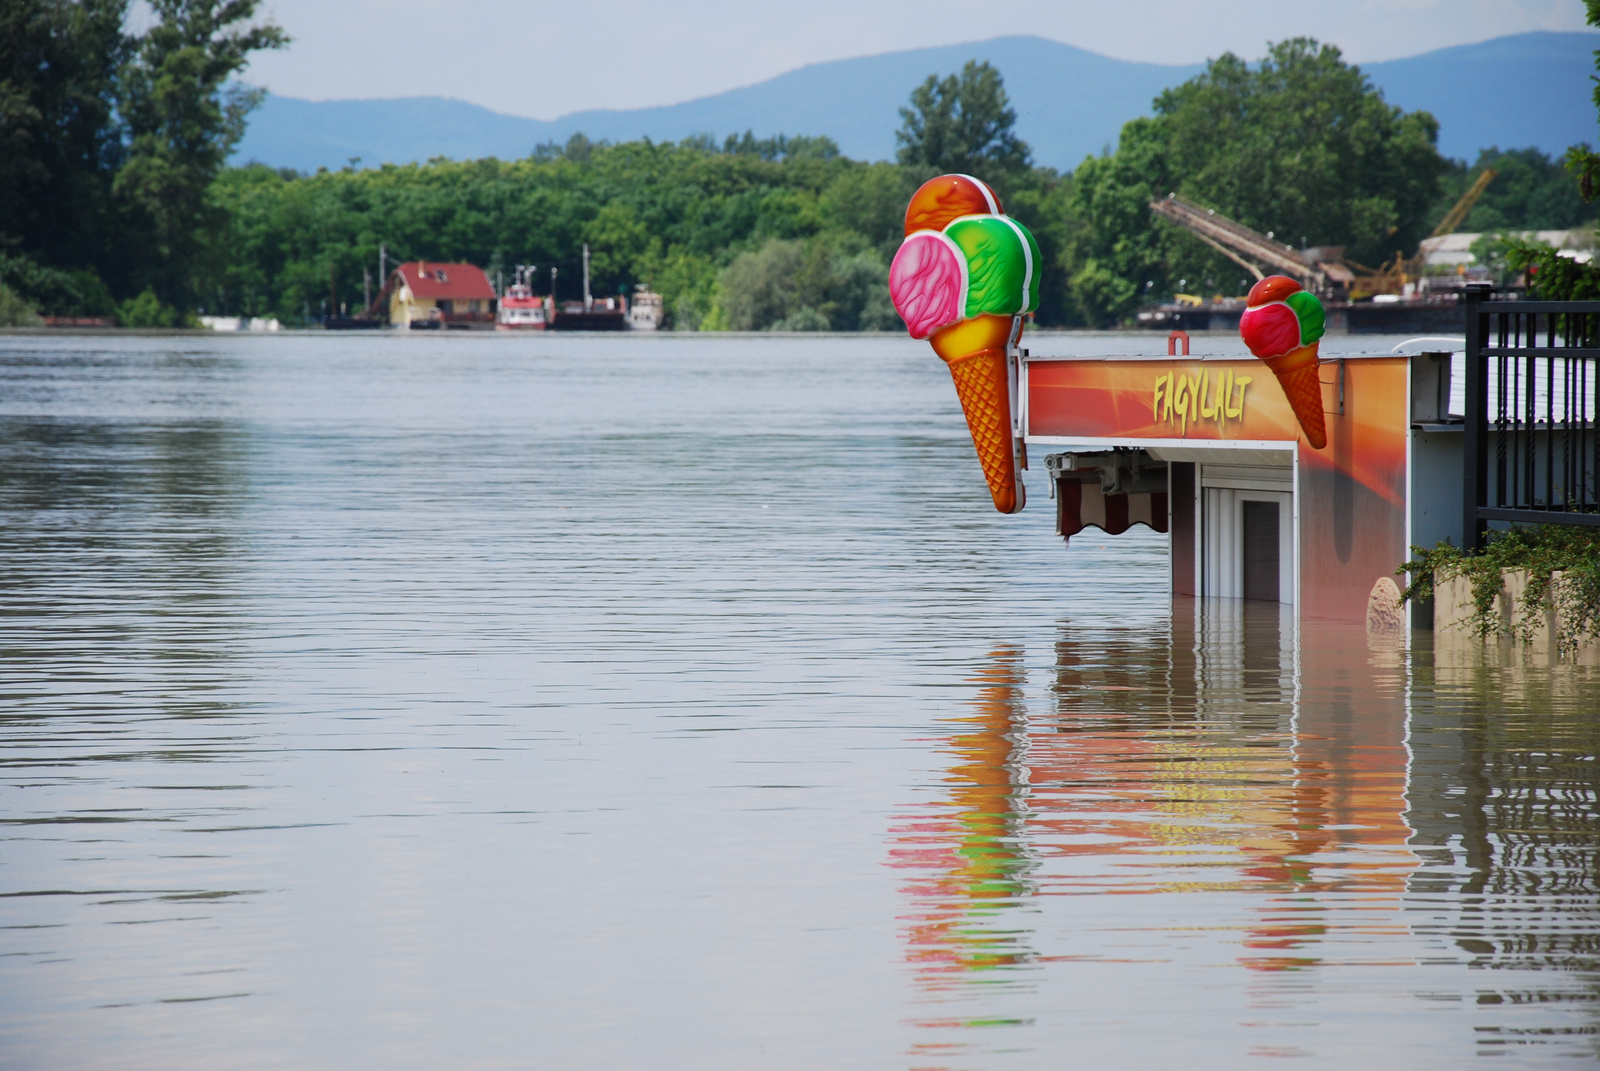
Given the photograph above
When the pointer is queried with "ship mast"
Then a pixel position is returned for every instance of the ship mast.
(588, 301)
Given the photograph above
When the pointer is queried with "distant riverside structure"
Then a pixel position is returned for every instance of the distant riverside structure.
(241, 323)
(1451, 250)
(648, 310)
(426, 295)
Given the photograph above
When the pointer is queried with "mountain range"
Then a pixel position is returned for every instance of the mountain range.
(1511, 92)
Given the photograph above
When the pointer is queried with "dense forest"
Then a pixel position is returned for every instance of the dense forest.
(115, 198)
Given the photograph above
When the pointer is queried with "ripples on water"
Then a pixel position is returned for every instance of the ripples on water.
(673, 702)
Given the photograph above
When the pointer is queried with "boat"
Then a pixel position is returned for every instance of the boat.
(360, 322)
(647, 310)
(591, 314)
(520, 308)
(598, 314)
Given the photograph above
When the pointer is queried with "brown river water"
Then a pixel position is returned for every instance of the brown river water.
(680, 702)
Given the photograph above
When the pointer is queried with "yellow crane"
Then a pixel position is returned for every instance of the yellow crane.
(1453, 218)
(1392, 277)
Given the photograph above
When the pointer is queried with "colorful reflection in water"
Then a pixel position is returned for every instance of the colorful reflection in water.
(1340, 811)
(965, 858)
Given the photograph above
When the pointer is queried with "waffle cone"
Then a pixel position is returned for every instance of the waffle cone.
(1297, 374)
(985, 394)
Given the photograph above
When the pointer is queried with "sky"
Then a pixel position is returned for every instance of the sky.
(542, 60)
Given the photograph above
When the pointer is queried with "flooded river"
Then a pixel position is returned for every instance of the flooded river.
(486, 702)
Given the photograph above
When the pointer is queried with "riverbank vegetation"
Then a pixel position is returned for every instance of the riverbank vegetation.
(750, 234)
(128, 138)
(110, 144)
(1563, 566)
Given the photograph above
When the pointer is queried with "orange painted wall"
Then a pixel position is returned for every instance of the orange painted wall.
(1352, 492)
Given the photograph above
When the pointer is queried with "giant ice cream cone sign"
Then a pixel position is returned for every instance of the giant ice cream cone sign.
(963, 279)
(1283, 324)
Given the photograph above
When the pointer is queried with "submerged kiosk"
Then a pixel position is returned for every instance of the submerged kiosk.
(1282, 474)
(1209, 450)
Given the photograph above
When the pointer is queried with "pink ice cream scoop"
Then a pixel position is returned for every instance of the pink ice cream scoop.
(928, 283)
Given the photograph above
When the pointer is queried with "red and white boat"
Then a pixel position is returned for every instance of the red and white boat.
(521, 309)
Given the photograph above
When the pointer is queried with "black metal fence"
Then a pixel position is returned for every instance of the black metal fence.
(1532, 396)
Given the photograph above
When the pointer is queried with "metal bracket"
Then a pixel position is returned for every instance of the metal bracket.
(1121, 472)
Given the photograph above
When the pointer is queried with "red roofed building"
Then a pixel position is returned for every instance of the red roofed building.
(423, 293)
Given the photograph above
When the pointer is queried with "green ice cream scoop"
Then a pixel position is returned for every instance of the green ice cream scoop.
(1002, 265)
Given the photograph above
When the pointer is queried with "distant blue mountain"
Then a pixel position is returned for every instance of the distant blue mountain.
(1511, 92)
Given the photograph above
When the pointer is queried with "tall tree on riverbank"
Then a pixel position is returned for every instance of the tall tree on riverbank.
(109, 144)
(962, 123)
(1301, 145)
(59, 61)
(1582, 160)
(183, 119)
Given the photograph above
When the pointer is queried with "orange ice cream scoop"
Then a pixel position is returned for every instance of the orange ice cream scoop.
(941, 200)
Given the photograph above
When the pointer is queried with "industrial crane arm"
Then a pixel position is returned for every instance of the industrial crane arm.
(1231, 255)
(1218, 231)
(1453, 218)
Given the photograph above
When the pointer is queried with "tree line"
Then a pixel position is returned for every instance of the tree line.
(114, 197)
(110, 143)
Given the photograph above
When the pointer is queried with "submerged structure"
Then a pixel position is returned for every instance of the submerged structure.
(1286, 474)
(1208, 449)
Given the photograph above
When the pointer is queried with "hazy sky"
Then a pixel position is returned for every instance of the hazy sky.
(542, 59)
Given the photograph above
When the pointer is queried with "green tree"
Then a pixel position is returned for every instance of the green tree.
(1581, 159)
(15, 311)
(676, 216)
(871, 201)
(1301, 146)
(826, 283)
(761, 288)
(962, 123)
(147, 310)
(183, 119)
(59, 143)
(1531, 192)
(781, 147)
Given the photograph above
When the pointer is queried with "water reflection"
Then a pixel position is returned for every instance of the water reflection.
(120, 547)
(1366, 822)
(1508, 830)
(963, 854)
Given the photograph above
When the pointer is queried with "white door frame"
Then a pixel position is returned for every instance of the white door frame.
(1222, 534)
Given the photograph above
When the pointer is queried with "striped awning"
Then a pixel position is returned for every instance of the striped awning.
(1080, 504)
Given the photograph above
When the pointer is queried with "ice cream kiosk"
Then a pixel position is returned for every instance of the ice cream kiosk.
(1281, 474)
(1209, 450)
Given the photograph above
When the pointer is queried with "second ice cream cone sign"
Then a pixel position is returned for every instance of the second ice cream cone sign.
(1283, 324)
(964, 278)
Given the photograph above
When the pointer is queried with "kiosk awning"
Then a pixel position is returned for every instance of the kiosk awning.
(1111, 490)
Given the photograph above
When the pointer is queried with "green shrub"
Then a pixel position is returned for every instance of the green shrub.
(1552, 277)
(805, 318)
(147, 310)
(830, 282)
(54, 291)
(14, 311)
(1542, 550)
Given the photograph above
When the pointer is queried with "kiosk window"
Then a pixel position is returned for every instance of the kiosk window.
(1260, 573)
